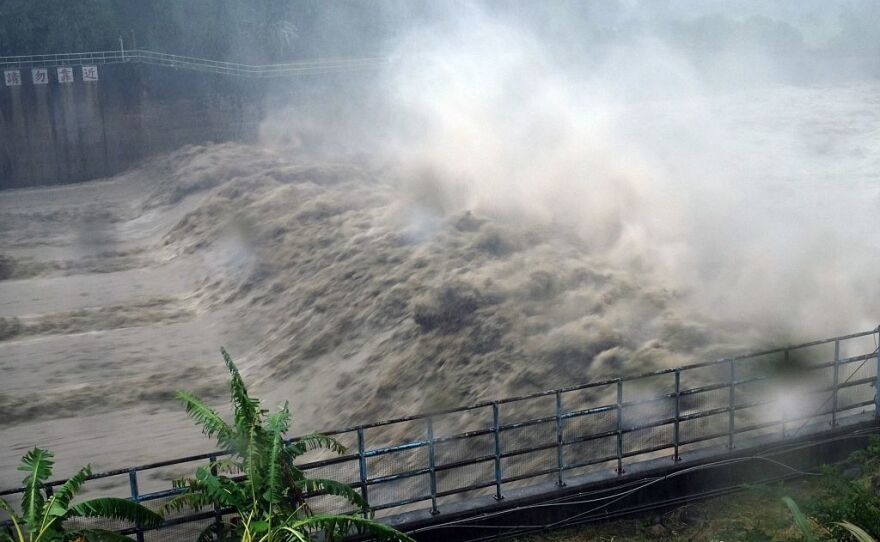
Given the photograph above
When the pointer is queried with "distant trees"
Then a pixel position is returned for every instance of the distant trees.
(258, 31)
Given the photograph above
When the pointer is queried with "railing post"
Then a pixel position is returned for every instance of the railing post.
(731, 409)
(834, 400)
(218, 516)
(782, 407)
(560, 462)
(619, 426)
(496, 432)
(877, 382)
(133, 484)
(431, 466)
(362, 469)
(675, 428)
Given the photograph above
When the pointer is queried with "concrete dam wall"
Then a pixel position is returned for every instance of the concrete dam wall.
(58, 133)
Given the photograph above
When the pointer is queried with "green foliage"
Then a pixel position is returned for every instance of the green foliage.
(857, 532)
(800, 520)
(843, 499)
(846, 507)
(42, 515)
(270, 500)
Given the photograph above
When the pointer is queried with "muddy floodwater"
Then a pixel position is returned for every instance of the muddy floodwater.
(360, 291)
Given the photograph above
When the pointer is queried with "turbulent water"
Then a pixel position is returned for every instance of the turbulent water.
(357, 293)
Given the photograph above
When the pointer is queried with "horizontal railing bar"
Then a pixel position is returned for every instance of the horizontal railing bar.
(588, 412)
(523, 451)
(399, 476)
(466, 463)
(528, 475)
(527, 423)
(655, 448)
(859, 382)
(649, 425)
(703, 438)
(404, 502)
(397, 448)
(465, 489)
(327, 462)
(860, 404)
(703, 413)
(592, 436)
(587, 463)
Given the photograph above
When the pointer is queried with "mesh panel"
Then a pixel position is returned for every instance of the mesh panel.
(648, 412)
(347, 471)
(462, 449)
(648, 387)
(448, 425)
(702, 427)
(644, 439)
(465, 476)
(718, 442)
(527, 409)
(591, 450)
(589, 424)
(397, 490)
(394, 434)
(528, 463)
(854, 395)
(858, 370)
(745, 417)
(397, 462)
(753, 367)
(175, 533)
(162, 478)
(465, 495)
(754, 392)
(705, 376)
(858, 346)
(591, 397)
(521, 438)
(705, 400)
(330, 504)
(605, 467)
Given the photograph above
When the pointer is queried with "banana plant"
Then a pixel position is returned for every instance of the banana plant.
(259, 479)
(43, 515)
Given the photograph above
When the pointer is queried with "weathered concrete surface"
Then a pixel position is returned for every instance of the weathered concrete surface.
(62, 133)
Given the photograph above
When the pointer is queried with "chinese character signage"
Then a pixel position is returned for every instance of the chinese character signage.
(13, 78)
(90, 73)
(40, 76)
(65, 75)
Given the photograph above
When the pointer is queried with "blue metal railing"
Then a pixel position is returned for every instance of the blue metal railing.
(492, 446)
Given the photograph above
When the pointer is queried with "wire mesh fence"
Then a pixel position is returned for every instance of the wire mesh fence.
(430, 460)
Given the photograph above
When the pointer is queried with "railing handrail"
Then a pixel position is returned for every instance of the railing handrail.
(146, 56)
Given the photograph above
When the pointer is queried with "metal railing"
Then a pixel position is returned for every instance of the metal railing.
(154, 58)
(488, 448)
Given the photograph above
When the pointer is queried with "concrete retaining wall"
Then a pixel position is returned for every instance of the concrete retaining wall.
(63, 133)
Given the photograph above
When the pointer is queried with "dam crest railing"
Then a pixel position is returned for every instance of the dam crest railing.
(488, 448)
(143, 56)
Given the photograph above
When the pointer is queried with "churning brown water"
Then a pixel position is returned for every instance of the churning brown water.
(367, 289)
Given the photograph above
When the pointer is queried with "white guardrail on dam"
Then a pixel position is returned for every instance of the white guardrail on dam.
(153, 58)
